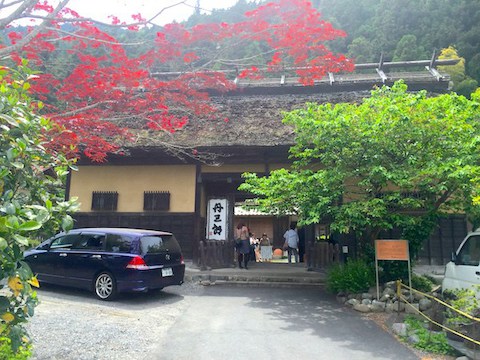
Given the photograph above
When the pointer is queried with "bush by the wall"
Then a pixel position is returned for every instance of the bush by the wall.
(353, 277)
(422, 283)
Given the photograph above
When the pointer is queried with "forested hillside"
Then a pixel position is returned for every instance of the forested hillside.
(407, 29)
(400, 29)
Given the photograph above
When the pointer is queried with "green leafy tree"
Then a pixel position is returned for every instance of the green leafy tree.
(361, 50)
(457, 71)
(466, 87)
(462, 84)
(397, 159)
(408, 49)
(32, 174)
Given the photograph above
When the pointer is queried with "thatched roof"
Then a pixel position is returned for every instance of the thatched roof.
(244, 120)
(249, 120)
(254, 110)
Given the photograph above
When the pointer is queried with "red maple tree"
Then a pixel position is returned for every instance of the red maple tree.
(105, 87)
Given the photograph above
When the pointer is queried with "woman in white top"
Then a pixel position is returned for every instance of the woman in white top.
(265, 248)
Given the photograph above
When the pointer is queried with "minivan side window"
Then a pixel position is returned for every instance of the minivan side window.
(119, 243)
(469, 254)
(65, 241)
(90, 242)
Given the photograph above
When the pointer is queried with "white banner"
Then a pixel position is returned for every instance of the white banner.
(217, 219)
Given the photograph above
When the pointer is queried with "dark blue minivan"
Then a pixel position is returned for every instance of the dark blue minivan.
(109, 260)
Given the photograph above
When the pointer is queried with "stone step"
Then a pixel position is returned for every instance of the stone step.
(255, 279)
(258, 274)
(278, 284)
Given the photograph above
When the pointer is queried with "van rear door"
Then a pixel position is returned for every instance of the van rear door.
(160, 250)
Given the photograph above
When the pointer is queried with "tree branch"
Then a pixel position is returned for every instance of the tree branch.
(443, 198)
(183, 152)
(9, 49)
(98, 22)
(26, 5)
(91, 39)
(85, 108)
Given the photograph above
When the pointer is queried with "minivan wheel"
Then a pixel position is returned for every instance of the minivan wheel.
(105, 286)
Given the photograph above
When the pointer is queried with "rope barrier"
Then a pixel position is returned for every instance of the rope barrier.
(404, 299)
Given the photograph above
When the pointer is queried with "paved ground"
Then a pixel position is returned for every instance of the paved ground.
(206, 322)
(280, 312)
(238, 323)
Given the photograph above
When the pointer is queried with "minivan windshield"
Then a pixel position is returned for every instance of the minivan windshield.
(159, 244)
(470, 252)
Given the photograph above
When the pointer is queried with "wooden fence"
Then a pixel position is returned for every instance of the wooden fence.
(321, 255)
(214, 254)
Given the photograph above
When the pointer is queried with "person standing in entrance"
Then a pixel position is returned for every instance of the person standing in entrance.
(265, 248)
(291, 243)
(242, 239)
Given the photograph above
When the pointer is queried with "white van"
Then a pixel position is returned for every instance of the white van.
(464, 269)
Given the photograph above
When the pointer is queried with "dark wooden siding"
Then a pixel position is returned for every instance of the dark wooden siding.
(182, 225)
(449, 233)
(446, 237)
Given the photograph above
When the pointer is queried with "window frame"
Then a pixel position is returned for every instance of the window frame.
(156, 200)
(104, 200)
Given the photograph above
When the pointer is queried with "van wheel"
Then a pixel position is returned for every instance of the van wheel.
(105, 286)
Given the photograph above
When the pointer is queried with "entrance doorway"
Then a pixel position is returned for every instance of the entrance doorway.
(261, 223)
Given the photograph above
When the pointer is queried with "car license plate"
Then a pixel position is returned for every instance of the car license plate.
(167, 272)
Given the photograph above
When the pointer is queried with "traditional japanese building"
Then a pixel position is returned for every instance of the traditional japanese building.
(187, 182)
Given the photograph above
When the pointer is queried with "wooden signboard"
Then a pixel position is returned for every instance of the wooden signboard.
(392, 249)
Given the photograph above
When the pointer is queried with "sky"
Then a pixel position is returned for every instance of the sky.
(123, 9)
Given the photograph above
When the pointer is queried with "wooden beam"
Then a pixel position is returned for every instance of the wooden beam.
(433, 59)
(434, 72)
(382, 75)
(331, 77)
(380, 63)
(394, 64)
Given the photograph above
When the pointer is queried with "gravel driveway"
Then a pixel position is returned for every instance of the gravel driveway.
(71, 324)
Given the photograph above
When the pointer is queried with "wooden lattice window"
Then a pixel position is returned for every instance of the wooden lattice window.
(156, 200)
(104, 200)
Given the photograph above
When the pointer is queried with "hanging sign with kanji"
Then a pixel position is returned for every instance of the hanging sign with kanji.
(217, 219)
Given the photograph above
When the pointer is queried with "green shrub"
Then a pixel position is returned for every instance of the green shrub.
(435, 281)
(432, 342)
(393, 270)
(463, 300)
(355, 276)
(388, 270)
(6, 352)
(422, 283)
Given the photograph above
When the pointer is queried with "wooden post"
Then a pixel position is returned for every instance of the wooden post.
(202, 257)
